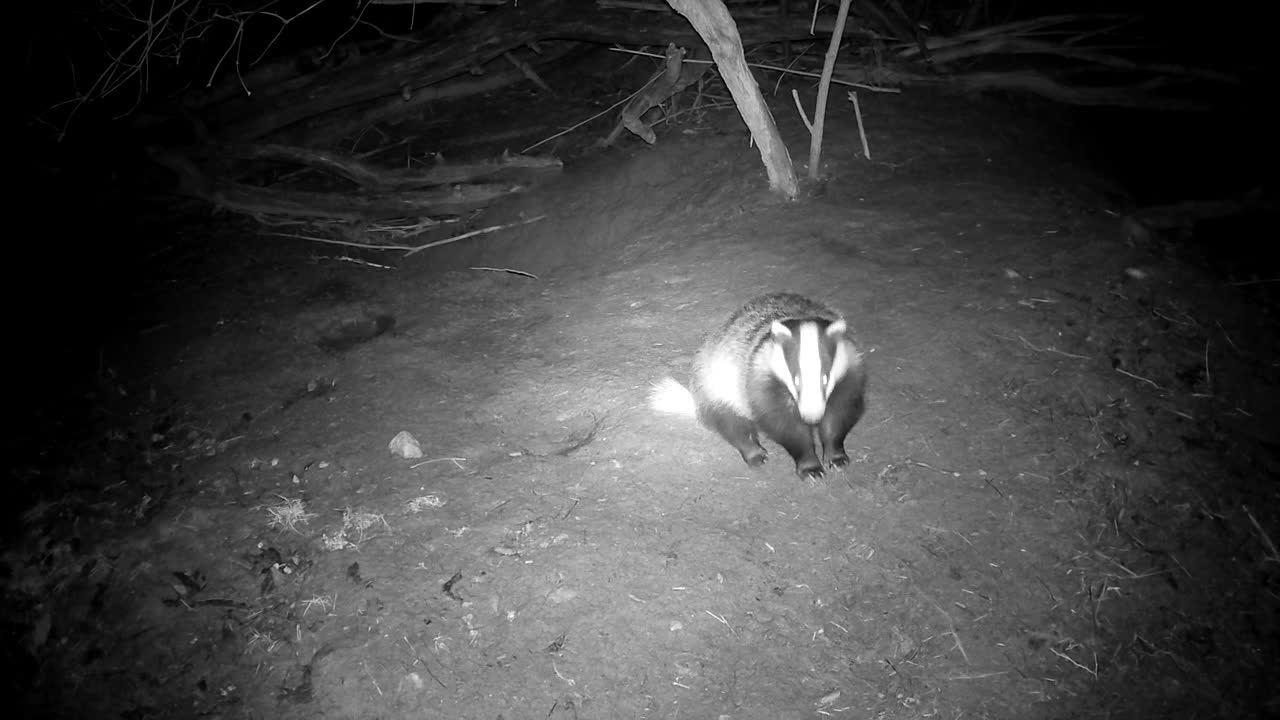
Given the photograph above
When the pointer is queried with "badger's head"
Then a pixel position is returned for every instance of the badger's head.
(810, 357)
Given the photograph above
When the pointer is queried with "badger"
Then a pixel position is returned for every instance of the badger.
(784, 365)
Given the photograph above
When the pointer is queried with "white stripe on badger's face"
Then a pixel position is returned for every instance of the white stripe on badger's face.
(810, 382)
(842, 358)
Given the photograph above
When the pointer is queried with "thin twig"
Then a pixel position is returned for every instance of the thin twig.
(457, 461)
(862, 131)
(1272, 554)
(800, 55)
(951, 625)
(506, 270)
(1229, 340)
(979, 676)
(357, 261)
(1208, 379)
(603, 112)
(348, 243)
(776, 68)
(414, 650)
(371, 677)
(1068, 658)
(721, 619)
(927, 466)
(473, 233)
(1126, 373)
(795, 97)
(1052, 349)
(1132, 575)
(569, 681)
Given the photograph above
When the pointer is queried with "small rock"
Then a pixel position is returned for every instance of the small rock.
(405, 445)
(562, 595)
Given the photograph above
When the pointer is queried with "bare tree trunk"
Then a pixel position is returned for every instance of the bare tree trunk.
(712, 21)
(824, 86)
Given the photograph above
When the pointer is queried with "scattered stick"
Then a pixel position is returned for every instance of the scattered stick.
(372, 679)
(1208, 379)
(603, 112)
(357, 261)
(331, 241)
(527, 70)
(1187, 572)
(992, 485)
(952, 473)
(506, 270)
(722, 620)
(794, 60)
(1126, 373)
(1272, 554)
(1229, 340)
(951, 625)
(979, 676)
(569, 681)
(433, 675)
(1049, 590)
(1068, 658)
(473, 233)
(1132, 575)
(1051, 349)
(457, 461)
(804, 118)
(862, 130)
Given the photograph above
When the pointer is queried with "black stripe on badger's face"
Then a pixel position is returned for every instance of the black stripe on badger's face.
(808, 357)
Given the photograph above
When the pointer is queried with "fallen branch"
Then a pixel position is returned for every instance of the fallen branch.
(301, 204)
(411, 249)
(1183, 216)
(371, 177)
(382, 193)
(676, 75)
(1140, 95)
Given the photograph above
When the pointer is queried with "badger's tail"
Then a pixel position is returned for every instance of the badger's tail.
(671, 398)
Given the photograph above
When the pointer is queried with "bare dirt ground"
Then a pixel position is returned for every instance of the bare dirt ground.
(1061, 503)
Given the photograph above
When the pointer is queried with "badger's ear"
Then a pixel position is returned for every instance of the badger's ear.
(837, 329)
(780, 331)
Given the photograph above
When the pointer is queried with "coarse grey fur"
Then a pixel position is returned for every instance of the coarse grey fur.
(739, 389)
